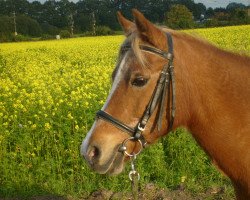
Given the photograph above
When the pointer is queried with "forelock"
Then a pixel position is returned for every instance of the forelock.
(133, 41)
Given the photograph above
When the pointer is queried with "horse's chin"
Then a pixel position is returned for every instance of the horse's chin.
(114, 166)
(115, 169)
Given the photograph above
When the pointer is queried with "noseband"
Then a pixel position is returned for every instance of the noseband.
(166, 79)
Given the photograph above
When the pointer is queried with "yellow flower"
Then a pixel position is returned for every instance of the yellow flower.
(183, 179)
(47, 126)
(33, 126)
(70, 116)
(41, 102)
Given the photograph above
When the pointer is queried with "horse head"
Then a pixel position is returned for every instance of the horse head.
(136, 111)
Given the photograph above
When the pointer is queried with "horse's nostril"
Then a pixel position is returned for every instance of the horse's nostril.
(93, 153)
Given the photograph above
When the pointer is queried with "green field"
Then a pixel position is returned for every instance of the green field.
(49, 93)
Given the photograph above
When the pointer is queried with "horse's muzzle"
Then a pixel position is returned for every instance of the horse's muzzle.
(101, 161)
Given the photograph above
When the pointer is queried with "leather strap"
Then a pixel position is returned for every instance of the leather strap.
(117, 123)
(120, 125)
(159, 96)
(167, 55)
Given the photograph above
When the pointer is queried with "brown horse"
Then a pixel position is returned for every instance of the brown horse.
(212, 101)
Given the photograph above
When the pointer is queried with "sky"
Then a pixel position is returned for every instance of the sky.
(221, 3)
(207, 3)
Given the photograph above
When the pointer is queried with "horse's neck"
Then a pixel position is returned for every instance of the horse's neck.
(213, 99)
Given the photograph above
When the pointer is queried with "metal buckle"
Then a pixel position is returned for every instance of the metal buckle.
(133, 171)
(123, 148)
(171, 67)
(140, 128)
(169, 56)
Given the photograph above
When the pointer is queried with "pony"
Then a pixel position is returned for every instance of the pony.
(212, 98)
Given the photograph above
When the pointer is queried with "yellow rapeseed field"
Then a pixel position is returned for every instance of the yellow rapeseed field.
(49, 92)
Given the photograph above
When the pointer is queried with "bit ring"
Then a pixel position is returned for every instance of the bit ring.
(133, 173)
(123, 148)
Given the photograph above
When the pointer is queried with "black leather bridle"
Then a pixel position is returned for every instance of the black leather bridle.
(165, 81)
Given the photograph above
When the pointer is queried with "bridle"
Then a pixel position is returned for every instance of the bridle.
(165, 81)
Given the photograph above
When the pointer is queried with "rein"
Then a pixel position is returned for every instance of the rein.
(165, 81)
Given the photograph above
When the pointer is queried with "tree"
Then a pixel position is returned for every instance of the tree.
(83, 15)
(239, 16)
(35, 10)
(209, 12)
(28, 26)
(234, 6)
(49, 29)
(7, 26)
(83, 22)
(197, 9)
(53, 13)
(179, 17)
(25, 26)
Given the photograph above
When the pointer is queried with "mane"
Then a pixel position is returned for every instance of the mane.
(134, 41)
(195, 38)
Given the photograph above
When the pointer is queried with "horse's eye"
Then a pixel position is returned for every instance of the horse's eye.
(139, 81)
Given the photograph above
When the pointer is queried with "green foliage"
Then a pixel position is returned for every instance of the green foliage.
(28, 26)
(47, 37)
(179, 17)
(239, 16)
(50, 17)
(5, 37)
(83, 22)
(49, 29)
(233, 16)
(194, 169)
(14, 38)
(233, 6)
(103, 30)
(64, 34)
(25, 26)
(211, 23)
(21, 38)
(7, 25)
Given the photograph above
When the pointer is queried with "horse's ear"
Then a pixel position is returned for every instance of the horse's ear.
(148, 31)
(127, 25)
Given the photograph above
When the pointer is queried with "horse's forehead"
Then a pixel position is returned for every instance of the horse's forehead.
(121, 68)
(117, 76)
(130, 57)
(127, 41)
(125, 64)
